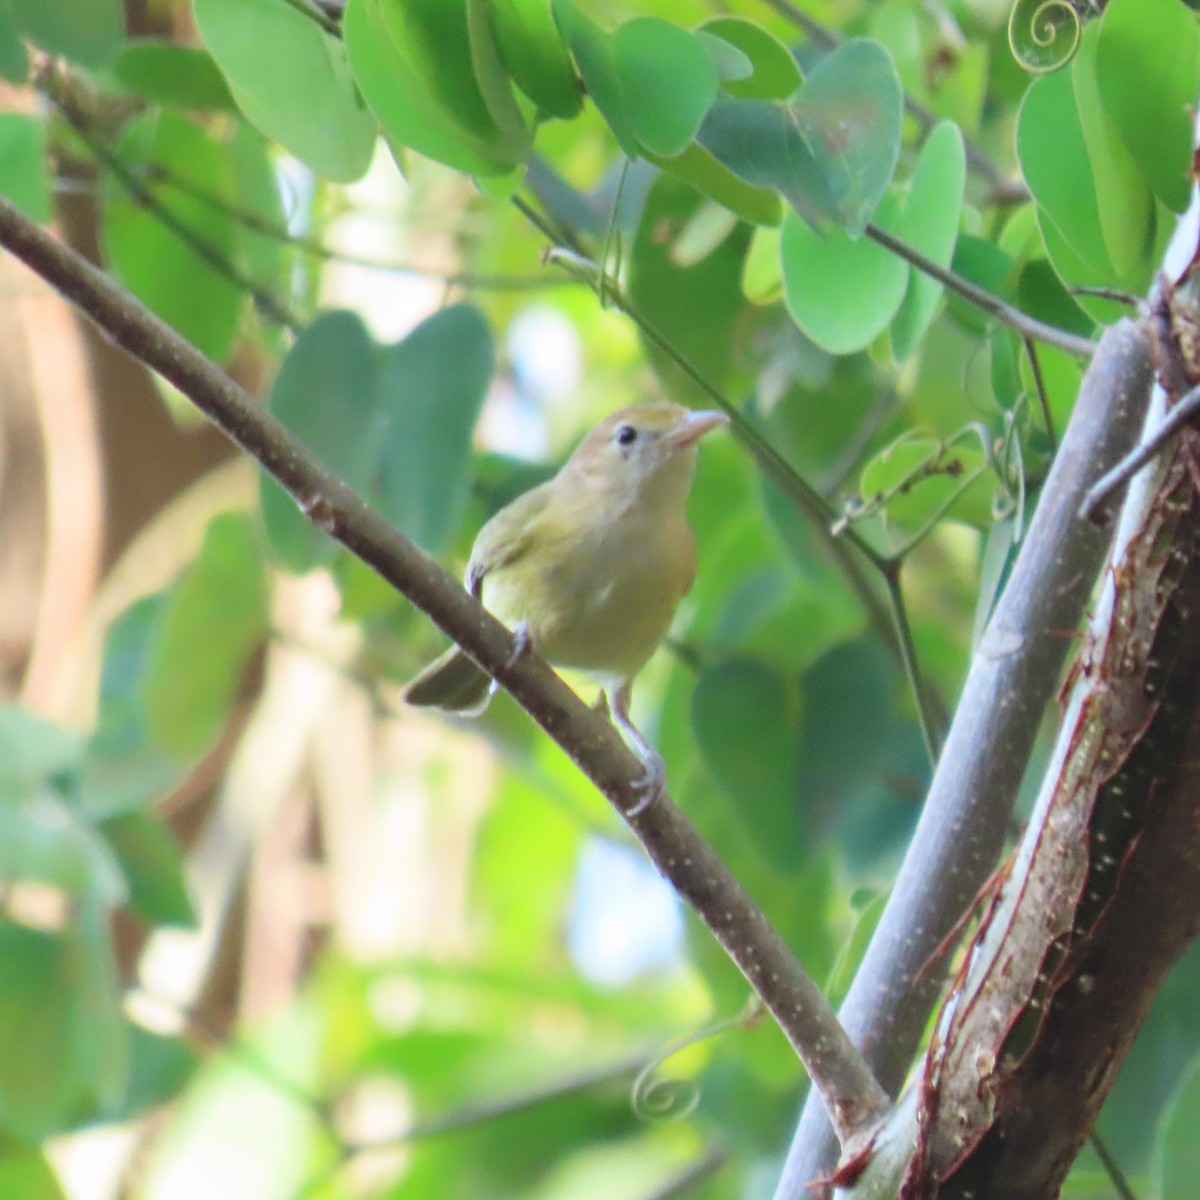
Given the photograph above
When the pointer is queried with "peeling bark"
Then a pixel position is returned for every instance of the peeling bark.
(1103, 894)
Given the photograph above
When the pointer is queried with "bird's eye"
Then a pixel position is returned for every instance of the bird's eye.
(626, 435)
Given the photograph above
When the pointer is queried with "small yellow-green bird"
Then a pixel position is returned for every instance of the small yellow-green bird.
(589, 567)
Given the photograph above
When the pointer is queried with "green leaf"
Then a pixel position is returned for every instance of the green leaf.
(592, 50)
(177, 76)
(920, 474)
(264, 258)
(394, 88)
(214, 618)
(63, 1043)
(152, 864)
(848, 723)
(1178, 1149)
(696, 308)
(728, 61)
(762, 274)
(432, 386)
(868, 911)
(451, 58)
(24, 179)
(292, 81)
(843, 294)
(163, 270)
(929, 224)
(667, 83)
(775, 74)
(123, 768)
(1148, 68)
(34, 751)
(516, 136)
(325, 393)
(831, 149)
(42, 840)
(1084, 181)
(85, 31)
(697, 166)
(533, 52)
(14, 62)
(1126, 203)
(1054, 161)
(159, 1068)
(25, 1173)
(744, 715)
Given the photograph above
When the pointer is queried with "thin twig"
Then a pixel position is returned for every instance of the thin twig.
(855, 1100)
(1002, 311)
(1039, 382)
(911, 665)
(271, 307)
(699, 1171)
(1184, 413)
(314, 13)
(256, 223)
(1111, 1167)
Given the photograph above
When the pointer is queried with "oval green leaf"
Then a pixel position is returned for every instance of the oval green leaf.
(592, 50)
(919, 475)
(932, 209)
(24, 179)
(532, 49)
(85, 31)
(667, 82)
(292, 81)
(176, 76)
(1148, 66)
(396, 93)
(325, 393)
(831, 149)
(775, 74)
(450, 58)
(167, 273)
(215, 616)
(843, 294)
(849, 112)
(744, 715)
(432, 387)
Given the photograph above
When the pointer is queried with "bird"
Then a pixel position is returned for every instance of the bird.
(589, 567)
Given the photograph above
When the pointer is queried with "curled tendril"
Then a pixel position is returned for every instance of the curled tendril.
(655, 1098)
(1044, 34)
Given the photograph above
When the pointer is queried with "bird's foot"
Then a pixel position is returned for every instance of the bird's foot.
(601, 705)
(650, 784)
(522, 643)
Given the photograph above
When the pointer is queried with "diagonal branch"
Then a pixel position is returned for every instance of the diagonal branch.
(855, 1100)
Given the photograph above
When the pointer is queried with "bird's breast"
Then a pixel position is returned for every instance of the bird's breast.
(600, 599)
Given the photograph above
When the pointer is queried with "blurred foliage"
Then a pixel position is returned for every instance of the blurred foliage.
(726, 171)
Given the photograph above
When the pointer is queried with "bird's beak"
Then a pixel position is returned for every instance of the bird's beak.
(693, 427)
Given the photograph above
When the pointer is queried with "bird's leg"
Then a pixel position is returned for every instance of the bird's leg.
(601, 705)
(522, 643)
(654, 780)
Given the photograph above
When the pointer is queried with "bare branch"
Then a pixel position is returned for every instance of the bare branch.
(856, 1101)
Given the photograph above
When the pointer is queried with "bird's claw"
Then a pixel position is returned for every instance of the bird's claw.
(522, 643)
(650, 784)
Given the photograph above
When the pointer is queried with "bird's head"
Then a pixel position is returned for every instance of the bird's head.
(645, 447)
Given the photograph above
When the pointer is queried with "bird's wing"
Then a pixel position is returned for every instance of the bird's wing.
(507, 536)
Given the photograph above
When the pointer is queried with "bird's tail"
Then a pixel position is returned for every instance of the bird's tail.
(452, 682)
